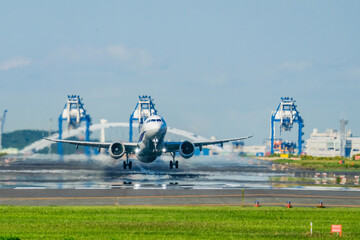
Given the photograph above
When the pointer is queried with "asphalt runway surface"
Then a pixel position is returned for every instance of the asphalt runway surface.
(178, 197)
(203, 181)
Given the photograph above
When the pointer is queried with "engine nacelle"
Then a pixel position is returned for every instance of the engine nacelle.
(187, 149)
(116, 150)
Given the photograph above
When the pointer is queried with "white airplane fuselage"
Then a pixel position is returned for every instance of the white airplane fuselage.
(151, 139)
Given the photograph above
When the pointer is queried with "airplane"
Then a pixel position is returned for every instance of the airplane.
(150, 144)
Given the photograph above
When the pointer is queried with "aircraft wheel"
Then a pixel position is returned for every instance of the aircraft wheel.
(124, 165)
(130, 165)
(176, 164)
(171, 165)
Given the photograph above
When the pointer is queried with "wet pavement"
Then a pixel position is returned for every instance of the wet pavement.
(198, 172)
(200, 181)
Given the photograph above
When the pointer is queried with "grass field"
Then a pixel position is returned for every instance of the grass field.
(116, 222)
(322, 164)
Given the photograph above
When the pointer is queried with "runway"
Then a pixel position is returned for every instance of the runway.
(202, 181)
(178, 197)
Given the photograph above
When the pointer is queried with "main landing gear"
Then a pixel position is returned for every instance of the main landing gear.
(174, 163)
(127, 163)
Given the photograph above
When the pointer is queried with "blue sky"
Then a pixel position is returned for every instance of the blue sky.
(213, 67)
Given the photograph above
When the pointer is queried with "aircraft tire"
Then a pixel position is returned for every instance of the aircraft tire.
(130, 164)
(171, 165)
(176, 164)
(124, 165)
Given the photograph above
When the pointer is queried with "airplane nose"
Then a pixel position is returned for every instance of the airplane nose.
(160, 126)
(156, 126)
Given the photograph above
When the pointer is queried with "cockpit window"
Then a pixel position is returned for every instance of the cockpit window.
(154, 120)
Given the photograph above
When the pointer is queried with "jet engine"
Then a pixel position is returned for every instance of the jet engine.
(116, 150)
(187, 149)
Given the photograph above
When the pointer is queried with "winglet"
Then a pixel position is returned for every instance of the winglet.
(253, 133)
(250, 136)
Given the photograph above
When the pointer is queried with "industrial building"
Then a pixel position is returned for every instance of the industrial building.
(328, 144)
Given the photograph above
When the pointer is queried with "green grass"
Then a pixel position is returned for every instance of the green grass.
(115, 222)
(291, 179)
(328, 164)
(284, 160)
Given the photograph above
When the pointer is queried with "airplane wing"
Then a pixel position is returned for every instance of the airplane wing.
(129, 147)
(174, 146)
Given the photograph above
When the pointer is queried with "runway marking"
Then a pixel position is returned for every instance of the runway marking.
(182, 196)
(306, 196)
(238, 204)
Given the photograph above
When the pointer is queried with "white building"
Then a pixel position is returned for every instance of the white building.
(327, 144)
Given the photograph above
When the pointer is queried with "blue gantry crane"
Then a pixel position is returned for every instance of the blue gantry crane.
(144, 108)
(74, 113)
(287, 114)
